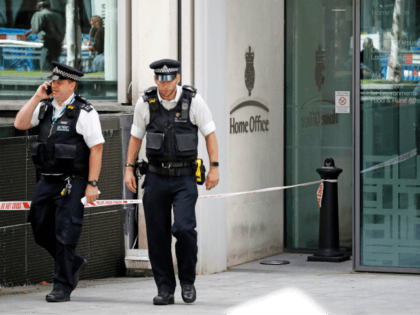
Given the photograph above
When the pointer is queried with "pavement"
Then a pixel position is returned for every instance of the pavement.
(300, 287)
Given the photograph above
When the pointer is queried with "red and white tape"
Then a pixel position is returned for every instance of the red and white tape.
(26, 205)
(320, 193)
(396, 160)
(15, 205)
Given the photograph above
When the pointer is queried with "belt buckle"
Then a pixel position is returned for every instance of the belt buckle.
(169, 165)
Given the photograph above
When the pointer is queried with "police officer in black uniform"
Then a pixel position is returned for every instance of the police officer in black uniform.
(170, 117)
(67, 157)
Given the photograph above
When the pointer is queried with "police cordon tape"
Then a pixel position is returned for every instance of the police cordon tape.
(26, 205)
(396, 160)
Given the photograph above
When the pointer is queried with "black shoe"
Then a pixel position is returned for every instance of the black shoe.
(78, 272)
(164, 298)
(188, 293)
(57, 296)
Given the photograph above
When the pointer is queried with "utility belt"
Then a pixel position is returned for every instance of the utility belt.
(173, 164)
(173, 169)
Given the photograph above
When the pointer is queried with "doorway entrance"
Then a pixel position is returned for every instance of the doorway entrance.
(318, 64)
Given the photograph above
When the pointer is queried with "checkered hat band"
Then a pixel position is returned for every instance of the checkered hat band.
(165, 69)
(66, 74)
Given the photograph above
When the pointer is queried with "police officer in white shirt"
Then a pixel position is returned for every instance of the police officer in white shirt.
(68, 156)
(170, 117)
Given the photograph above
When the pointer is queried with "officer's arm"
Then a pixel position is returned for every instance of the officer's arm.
(95, 163)
(133, 149)
(24, 116)
(212, 149)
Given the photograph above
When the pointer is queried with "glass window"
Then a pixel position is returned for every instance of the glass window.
(390, 134)
(318, 63)
(34, 33)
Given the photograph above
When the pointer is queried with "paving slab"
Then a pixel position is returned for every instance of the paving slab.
(300, 287)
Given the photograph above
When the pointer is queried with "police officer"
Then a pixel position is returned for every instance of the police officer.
(170, 117)
(68, 158)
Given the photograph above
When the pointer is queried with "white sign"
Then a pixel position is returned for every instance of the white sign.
(342, 102)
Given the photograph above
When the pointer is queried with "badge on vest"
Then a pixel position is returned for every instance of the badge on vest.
(179, 118)
(63, 128)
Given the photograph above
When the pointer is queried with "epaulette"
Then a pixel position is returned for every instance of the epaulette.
(85, 103)
(149, 92)
(190, 89)
(82, 99)
(150, 96)
(87, 107)
(47, 101)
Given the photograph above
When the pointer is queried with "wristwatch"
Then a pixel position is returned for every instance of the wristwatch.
(94, 183)
(131, 165)
(214, 163)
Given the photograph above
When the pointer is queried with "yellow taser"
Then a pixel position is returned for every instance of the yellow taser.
(200, 172)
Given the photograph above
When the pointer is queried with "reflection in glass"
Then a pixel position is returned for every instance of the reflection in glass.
(34, 33)
(390, 63)
(50, 26)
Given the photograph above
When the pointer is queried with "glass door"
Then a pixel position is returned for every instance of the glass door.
(318, 65)
(387, 172)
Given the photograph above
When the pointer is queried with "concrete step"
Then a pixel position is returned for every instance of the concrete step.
(137, 263)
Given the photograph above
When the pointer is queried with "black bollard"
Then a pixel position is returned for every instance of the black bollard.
(328, 248)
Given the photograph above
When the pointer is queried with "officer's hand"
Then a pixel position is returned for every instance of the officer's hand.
(130, 179)
(91, 193)
(41, 92)
(212, 178)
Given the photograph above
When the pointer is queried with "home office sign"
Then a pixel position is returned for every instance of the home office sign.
(255, 123)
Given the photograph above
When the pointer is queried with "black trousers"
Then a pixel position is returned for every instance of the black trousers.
(57, 224)
(160, 194)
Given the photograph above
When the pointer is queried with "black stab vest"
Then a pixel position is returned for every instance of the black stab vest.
(171, 136)
(64, 151)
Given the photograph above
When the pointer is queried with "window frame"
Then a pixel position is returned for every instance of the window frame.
(123, 63)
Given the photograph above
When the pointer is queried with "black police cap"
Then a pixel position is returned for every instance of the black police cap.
(64, 72)
(166, 69)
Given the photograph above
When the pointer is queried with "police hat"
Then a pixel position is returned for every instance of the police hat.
(64, 72)
(166, 69)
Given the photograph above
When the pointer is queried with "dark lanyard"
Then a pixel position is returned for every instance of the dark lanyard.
(55, 119)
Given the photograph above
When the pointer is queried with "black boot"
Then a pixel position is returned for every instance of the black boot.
(57, 296)
(164, 298)
(188, 293)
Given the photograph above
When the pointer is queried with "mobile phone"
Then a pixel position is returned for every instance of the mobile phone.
(49, 90)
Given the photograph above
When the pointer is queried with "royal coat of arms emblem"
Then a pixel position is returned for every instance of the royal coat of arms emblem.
(249, 71)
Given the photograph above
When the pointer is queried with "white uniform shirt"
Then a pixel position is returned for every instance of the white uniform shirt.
(200, 114)
(88, 124)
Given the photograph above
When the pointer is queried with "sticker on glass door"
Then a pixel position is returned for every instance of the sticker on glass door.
(342, 102)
